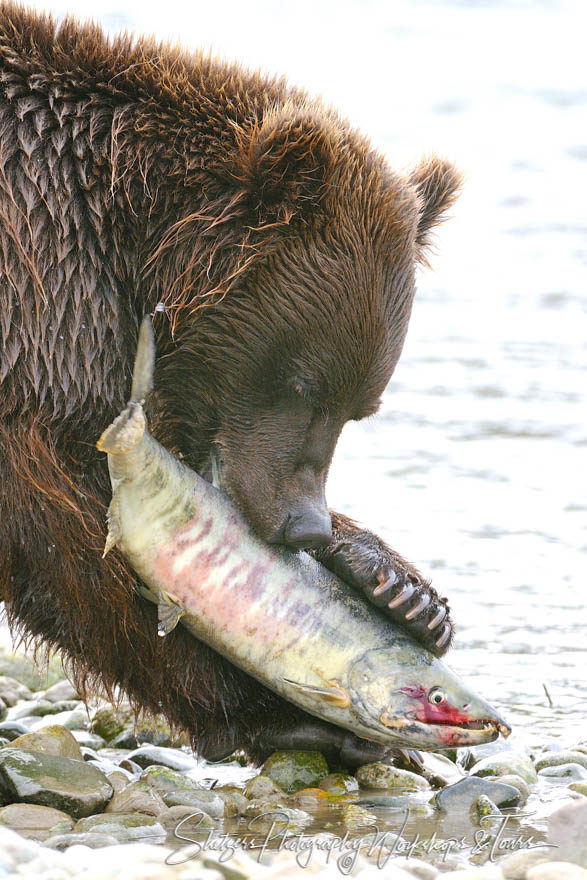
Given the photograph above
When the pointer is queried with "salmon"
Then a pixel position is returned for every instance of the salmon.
(276, 613)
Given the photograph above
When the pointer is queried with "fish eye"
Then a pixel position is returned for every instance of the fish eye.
(436, 695)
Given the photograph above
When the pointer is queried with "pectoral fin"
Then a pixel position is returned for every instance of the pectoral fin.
(333, 693)
(114, 529)
(170, 611)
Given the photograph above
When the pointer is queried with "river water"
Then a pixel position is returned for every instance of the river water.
(475, 467)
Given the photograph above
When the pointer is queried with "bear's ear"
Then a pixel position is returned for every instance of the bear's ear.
(283, 163)
(438, 184)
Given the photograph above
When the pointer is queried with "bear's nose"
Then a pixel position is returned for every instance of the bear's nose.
(308, 530)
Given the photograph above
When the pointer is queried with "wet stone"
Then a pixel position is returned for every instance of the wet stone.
(355, 817)
(575, 772)
(463, 794)
(207, 801)
(172, 758)
(261, 787)
(556, 871)
(125, 740)
(293, 770)
(137, 797)
(164, 779)
(108, 722)
(265, 816)
(484, 807)
(66, 784)
(88, 740)
(339, 783)
(29, 709)
(517, 864)
(186, 820)
(155, 731)
(54, 740)
(11, 690)
(11, 729)
(382, 776)
(3, 709)
(61, 690)
(118, 780)
(123, 826)
(567, 829)
(32, 820)
(507, 763)
(517, 782)
(580, 787)
(88, 838)
(25, 670)
(74, 719)
(234, 800)
(564, 757)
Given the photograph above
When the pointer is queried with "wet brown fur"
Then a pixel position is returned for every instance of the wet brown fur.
(133, 173)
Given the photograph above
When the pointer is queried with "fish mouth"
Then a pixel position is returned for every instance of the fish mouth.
(465, 733)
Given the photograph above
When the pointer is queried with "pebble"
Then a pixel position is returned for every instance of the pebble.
(567, 830)
(339, 783)
(462, 795)
(64, 783)
(484, 807)
(172, 758)
(565, 771)
(414, 867)
(564, 757)
(53, 740)
(164, 779)
(207, 801)
(86, 838)
(73, 719)
(517, 782)
(87, 739)
(383, 776)
(580, 787)
(507, 762)
(32, 820)
(517, 864)
(262, 787)
(294, 770)
(11, 690)
(11, 729)
(61, 690)
(191, 820)
(556, 871)
(123, 826)
(137, 797)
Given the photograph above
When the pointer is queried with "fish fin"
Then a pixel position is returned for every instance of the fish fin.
(114, 528)
(142, 376)
(170, 611)
(125, 431)
(334, 693)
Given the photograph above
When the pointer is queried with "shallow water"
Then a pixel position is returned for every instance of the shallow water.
(475, 467)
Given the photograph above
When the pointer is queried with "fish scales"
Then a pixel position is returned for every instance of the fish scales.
(278, 614)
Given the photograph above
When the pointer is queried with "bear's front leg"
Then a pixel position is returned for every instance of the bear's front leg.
(365, 562)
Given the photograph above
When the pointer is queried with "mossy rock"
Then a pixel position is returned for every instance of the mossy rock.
(53, 740)
(164, 779)
(294, 770)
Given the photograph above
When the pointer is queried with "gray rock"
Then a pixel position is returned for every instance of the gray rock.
(108, 721)
(463, 794)
(186, 820)
(131, 767)
(52, 740)
(119, 779)
(517, 864)
(579, 787)
(575, 772)
(164, 779)
(123, 826)
(11, 690)
(567, 829)
(234, 800)
(137, 797)
(263, 816)
(88, 838)
(172, 758)
(294, 770)
(355, 817)
(517, 782)
(32, 820)
(28, 709)
(125, 740)
(383, 776)
(207, 801)
(556, 871)
(563, 757)
(87, 739)
(73, 786)
(61, 690)
(23, 668)
(73, 719)
(507, 763)
(11, 729)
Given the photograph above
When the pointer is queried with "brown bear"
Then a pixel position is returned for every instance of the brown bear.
(284, 250)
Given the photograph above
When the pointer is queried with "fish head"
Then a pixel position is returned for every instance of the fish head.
(407, 697)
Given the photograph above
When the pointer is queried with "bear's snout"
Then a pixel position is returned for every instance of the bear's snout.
(309, 529)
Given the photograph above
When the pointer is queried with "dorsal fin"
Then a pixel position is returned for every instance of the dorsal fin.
(142, 377)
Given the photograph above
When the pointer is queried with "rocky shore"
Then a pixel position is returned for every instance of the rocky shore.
(91, 792)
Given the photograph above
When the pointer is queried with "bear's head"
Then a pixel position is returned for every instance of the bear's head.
(292, 309)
